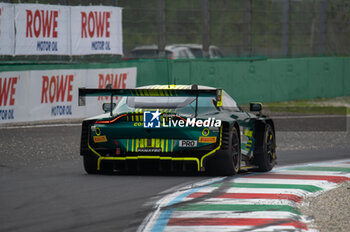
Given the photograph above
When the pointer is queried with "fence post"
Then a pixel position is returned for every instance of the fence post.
(206, 29)
(322, 27)
(161, 29)
(247, 24)
(285, 28)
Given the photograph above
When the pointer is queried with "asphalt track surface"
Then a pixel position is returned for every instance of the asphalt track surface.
(43, 186)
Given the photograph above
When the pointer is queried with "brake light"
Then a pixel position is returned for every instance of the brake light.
(181, 118)
(110, 121)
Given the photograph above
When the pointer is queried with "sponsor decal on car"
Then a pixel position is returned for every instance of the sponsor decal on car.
(149, 149)
(188, 143)
(192, 122)
(100, 139)
(151, 119)
(207, 139)
(205, 132)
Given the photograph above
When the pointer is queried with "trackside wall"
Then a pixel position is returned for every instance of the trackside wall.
(263, 80)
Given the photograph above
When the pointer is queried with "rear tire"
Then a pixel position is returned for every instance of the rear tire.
(265, 156)
(90, 164)
(228, 163)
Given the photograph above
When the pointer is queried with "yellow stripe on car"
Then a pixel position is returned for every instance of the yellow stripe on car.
(211, 152)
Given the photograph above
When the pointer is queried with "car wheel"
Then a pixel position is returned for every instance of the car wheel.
(90, 164)
(230, 162)
(266, 155)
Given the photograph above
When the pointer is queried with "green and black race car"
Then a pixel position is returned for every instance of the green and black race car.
(176, 128)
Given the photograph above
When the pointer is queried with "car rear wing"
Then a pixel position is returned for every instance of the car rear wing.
(149, 92)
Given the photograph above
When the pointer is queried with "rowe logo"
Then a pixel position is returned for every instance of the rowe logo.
(118, 81)
(151, 119)
(95, 24)
(7, 91)
(42, 23)
(57, 88)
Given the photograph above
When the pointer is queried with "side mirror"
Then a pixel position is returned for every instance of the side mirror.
(255, 107)
(107, 107)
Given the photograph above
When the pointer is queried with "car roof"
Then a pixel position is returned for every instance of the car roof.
(197, 46)
(145, 47)
(155, 47)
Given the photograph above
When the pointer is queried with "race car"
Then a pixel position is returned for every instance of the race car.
(176, 128)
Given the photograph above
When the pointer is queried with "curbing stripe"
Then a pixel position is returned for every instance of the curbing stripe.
(257, 222)
(323, 184)
(229, 214)
(308, 188)
(233, 228)
(166, 214)
(297, 192)
(230, 201)
(257, 202)
(318, 183)
(237, 208)
(278, 196)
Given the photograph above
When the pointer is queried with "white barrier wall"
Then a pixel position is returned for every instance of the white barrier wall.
(38, 29)
(7, 29)
(53, 94)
